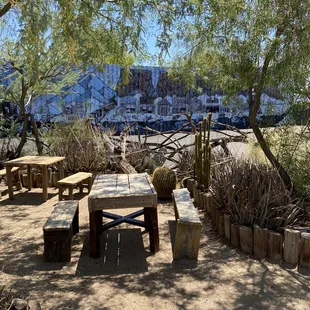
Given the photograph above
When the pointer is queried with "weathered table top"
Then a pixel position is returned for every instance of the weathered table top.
(113, 191)
(34, 161)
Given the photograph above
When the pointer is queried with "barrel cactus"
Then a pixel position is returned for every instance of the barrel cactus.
(164, 181)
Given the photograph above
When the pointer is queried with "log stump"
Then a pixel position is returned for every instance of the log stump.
(260, 242)
(213, 215)
(234, 235)
(24, 178)
(291, 246)
(274, 245)
(196, 196)
(55, 179)
(201, 200)
(190, 186)
(221, 227)
(38, 180)
(304, 255)
(246, 239)
(207, 202)
(227, 223)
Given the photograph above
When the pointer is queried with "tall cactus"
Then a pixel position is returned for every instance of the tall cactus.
(202, 162)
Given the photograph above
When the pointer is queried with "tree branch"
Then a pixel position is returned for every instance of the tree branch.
(5, 8)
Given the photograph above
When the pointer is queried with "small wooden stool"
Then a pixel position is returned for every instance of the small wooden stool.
(74, 180)
(58, 230)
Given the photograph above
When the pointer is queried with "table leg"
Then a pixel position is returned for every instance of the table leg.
(151, 219)
(95, 220)
(44, 182)
(29, 178)
(61, 170)
(9, 179)
(60, 192)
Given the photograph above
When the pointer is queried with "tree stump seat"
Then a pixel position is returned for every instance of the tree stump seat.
(188, 225)
(77, 179)
(58, 230)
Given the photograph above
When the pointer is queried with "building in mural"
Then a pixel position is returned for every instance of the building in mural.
(149, 96)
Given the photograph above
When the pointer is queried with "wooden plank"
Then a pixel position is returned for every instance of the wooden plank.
(139, 184)
(122, 185)
(62, 216)
(75, 178)
(103, 184)
(186, 211)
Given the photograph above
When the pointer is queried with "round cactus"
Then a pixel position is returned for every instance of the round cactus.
(164, 181)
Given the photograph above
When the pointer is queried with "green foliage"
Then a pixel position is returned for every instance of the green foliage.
(291, 146)
(83, 146)
(164, 181)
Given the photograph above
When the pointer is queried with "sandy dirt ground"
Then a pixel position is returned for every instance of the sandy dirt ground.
(128, 276)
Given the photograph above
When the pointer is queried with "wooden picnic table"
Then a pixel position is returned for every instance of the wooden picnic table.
(117, 191)
(34, 161)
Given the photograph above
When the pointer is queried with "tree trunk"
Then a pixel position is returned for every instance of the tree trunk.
(23, 139)
(262, 142)
(36, 134)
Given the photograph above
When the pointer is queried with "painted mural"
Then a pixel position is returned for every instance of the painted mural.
(149, 97)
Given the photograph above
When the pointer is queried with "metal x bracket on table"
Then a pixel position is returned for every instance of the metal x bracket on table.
(118, 219)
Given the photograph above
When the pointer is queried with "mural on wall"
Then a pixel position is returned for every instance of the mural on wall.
(149, 96)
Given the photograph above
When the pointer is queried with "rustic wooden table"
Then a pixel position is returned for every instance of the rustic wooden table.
(117, 191)
(32, 161)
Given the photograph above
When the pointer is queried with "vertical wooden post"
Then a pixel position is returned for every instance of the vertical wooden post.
(207, 202)
(227, 222)
(44, 182)
(201, 200)
(217, 214)
(151, 219)
(246, 239)
(275, 245)
(221, 228)
(95, 221)
(304, 255)
(291, 246)
(9, 179)
(61, 169)
(260, 242)
(234, 235)
(190, 186)
(29, 178)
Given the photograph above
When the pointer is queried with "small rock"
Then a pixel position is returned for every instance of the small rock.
(18, 304)
(33, 305)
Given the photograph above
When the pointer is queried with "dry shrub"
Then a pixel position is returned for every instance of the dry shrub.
(253, 193)
(83, 146)
(5, 298)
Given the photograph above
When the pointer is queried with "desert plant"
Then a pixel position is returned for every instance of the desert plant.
(83, 146)
(5, 298)
(164, 181)
(202, 162)
(253, 193)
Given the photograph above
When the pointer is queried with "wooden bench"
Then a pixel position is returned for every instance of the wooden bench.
(16, 177)
(188, 225)
(73, 180)
(58, 230)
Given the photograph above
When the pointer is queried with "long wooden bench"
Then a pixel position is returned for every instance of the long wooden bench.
(77, 179)
(16, 177)
(58, 230)
(188, 225)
